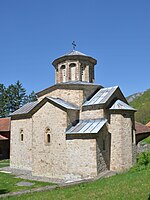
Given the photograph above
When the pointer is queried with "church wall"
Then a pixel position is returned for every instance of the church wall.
(81, 158)
(92, 114)
(71, 96)
(103, 142)
(49, 159)
(121, 141)
(21, 151)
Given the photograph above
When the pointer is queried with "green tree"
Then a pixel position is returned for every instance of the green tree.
(3, 100)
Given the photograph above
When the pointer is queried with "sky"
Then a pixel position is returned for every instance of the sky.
(33, 33)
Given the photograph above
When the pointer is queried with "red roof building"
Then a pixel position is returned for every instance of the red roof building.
(142, 131)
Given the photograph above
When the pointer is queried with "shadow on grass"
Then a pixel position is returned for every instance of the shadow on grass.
(3, 191)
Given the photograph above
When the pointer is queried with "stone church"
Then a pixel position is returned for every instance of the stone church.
(76, 129)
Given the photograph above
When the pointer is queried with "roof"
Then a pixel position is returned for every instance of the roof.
(141, 128)
(87, 126)
(4, 124)
(63, 103)
(101, 96)
(73, 52)
(120, 105)
(3, 137)
(148, 124)
(28, 108)
(25, 109)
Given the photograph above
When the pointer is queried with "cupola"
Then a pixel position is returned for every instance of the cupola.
(74, 66)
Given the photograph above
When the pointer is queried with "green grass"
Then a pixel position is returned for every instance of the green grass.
(4, 163)
(8, 183)
(146, 140)
(127, 186)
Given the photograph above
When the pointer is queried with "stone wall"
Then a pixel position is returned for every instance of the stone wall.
(92, 114)
(103, 142)
(121, 141)
(49, 159)
(81, 158)
(21, 151)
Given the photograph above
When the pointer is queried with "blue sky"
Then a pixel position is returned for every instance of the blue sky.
(35, 32)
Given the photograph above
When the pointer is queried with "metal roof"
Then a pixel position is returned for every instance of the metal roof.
(101, 96)
(120, 105)
(75, 53)
(25, 109)
(87, 126)
(63, 103)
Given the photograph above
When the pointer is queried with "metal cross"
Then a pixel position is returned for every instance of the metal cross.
(74, 45)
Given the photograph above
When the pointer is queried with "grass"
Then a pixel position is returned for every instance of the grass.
(146, 140)
(4, 163)
(8, 183)
(127, 186)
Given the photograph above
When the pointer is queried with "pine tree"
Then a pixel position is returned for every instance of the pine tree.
(3, 100)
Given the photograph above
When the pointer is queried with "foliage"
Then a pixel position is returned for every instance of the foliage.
(13, 97)
(146, 140)
(143, 162)
(122, 186)
(142, 104)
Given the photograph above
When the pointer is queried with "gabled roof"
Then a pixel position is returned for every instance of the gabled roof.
(87, 126)
(101, 96)
(25, 109)
(141, 128)
(63, 103)
(32, 107)
(3, 137)
(120, 105)
(4, 124)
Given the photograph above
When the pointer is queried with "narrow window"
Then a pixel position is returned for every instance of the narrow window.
(48, 138)
(21, 135)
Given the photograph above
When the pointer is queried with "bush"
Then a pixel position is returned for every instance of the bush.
(143, 162)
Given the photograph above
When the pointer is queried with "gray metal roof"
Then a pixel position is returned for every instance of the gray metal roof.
(78, 82)
(101, 96)
(75, 53)
(87, 126)
(120, 105)
(25, 109)
(63, 103)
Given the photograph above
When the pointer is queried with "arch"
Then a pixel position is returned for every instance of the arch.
(72, 70)
(21, 135)
(63, 73)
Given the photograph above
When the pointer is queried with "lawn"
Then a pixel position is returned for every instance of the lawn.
(127, 186)
(147, 140)
(4, 163)
(8, 183)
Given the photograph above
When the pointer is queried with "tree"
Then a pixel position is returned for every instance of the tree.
(13, 97)
(3, 100)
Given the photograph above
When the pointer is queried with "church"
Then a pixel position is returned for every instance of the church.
(76, 128)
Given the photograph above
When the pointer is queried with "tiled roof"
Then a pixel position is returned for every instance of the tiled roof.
(141, 128)
(25, 109)
(148, 124)
(3, 137)
(101, 96)
(63, 103)
(4, 124)
(120, 105)
(87, 126)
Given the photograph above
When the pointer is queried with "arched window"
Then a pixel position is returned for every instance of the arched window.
(63, 73)
(72, 69)
(82, 73)
(21, 135)
(48, 135)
